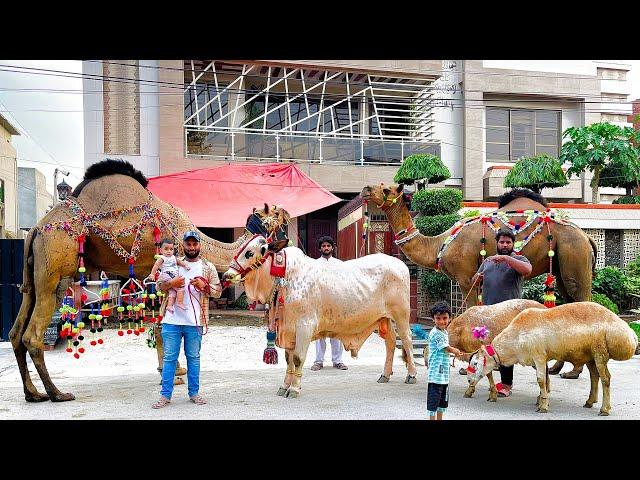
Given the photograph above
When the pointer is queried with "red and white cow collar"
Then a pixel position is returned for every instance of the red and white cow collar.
(492, 353)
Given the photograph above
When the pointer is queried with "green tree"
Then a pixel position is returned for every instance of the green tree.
(622, 174)
(595, 146)
(422, 168)
(536, 173)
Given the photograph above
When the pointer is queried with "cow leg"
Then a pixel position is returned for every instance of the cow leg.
(595, 378)
(555, 370)
(543, 399)
(390, 344)
(299, 354)
(401, 319)
(288, 376)
(493, 391)
(605, 378)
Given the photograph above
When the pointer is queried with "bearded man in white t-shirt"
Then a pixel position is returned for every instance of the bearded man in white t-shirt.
(199, 283)
(327, 246)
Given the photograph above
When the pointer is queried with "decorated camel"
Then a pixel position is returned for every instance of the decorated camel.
(111, 223)
(547, 241)
(309, 300)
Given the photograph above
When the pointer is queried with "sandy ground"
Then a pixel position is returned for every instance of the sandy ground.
(119, 381)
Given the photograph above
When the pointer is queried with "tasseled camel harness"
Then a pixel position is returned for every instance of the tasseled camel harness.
(540, 218)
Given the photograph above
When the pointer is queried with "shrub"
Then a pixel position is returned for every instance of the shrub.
(422, 167)
(536, 173)
(605, 302)
(435, 285)
(627, 200)
(533, 289)
(636, 328)
(471, 213)
(612, 282)
(440, 201)
(432, 226)
(241, 302)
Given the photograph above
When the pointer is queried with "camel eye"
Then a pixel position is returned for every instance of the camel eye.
(249, 254)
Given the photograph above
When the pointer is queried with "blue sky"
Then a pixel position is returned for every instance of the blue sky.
(55, 137)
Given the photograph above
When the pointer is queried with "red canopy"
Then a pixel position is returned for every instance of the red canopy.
(224, 196)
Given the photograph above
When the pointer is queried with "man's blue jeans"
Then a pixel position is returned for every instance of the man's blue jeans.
(171, 339)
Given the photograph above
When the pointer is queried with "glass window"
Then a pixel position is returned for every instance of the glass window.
(515, 133)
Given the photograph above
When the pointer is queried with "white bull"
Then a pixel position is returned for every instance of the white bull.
(346, 300)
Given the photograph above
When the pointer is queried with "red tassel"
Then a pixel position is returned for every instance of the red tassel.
(270, 356)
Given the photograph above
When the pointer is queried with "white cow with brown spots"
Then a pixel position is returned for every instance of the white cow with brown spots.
(580, 333)
(346, 300)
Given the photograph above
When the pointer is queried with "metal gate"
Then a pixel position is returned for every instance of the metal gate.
(11, 263)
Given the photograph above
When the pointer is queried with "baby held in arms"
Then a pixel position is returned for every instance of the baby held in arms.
(167, 264)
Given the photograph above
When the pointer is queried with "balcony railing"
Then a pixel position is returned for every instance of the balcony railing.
(245, 145)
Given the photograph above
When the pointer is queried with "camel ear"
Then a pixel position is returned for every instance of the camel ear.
(278, 245)
(400, 188)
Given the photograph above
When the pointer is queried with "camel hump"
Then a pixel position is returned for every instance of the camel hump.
(521, 195)
(110, 167)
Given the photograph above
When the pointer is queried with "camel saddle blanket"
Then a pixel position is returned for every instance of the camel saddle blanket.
(279, 264)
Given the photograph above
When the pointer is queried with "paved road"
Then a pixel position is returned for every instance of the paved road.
(327, 394)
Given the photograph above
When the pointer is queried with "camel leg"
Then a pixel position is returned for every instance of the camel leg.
(33, 337)
(288, 377)
(298, 356)
(31, 393)
(541, 374)
(605, 378)
(390, 344)
(595, 378)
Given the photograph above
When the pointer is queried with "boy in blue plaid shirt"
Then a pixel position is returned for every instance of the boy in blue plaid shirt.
(439, 349)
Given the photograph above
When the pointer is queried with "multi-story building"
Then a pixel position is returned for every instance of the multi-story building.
(8, 181)
(348, 122)
(33, 198)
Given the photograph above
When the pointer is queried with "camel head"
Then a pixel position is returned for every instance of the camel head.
(272, 218)
(480, 363)
(384, 196)
(251, 255)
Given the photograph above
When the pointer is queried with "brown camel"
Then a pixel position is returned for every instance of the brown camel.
(573, 263)
(51, 256)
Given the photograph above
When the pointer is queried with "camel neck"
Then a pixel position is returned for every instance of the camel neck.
(421, 249)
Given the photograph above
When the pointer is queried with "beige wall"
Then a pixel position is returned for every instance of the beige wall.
(421, 68)
(43, 198)
(8, 173)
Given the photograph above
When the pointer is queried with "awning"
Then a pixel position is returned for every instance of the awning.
(224, 196)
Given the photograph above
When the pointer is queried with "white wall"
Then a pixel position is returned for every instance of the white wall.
(575, 67)
(149, 159)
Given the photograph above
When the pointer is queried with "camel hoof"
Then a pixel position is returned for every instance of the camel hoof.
(603, 413)
(178, 381)
(291, 394)
(383, 379)
(570, 375)
(411, 379)
(181, 371)
(588, 405)
(38, 397)
(281, 391)
(62, 397)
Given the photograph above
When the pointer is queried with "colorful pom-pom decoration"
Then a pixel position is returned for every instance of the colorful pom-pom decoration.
(480, 332)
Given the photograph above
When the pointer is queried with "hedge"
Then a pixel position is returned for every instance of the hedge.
(604, 301)
(435, 225)
(440, 201)
(422, 166)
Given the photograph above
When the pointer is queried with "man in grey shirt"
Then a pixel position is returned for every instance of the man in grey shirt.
(503, 275)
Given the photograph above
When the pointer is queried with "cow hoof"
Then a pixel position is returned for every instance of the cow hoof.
(291, 394)
(493, 398)
(383, 379)
(588, 405)
(38, 397)
(181, 371)
(177, 381)
(62, 397)
(603, 413)
(570, 375)
(462, 371)
(542, 410)
(468, 393)
(411, 379)
(555, 370)
(281, 391)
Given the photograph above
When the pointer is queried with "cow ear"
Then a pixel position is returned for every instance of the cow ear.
(266, 208)
(400, 188)
(278, 245)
